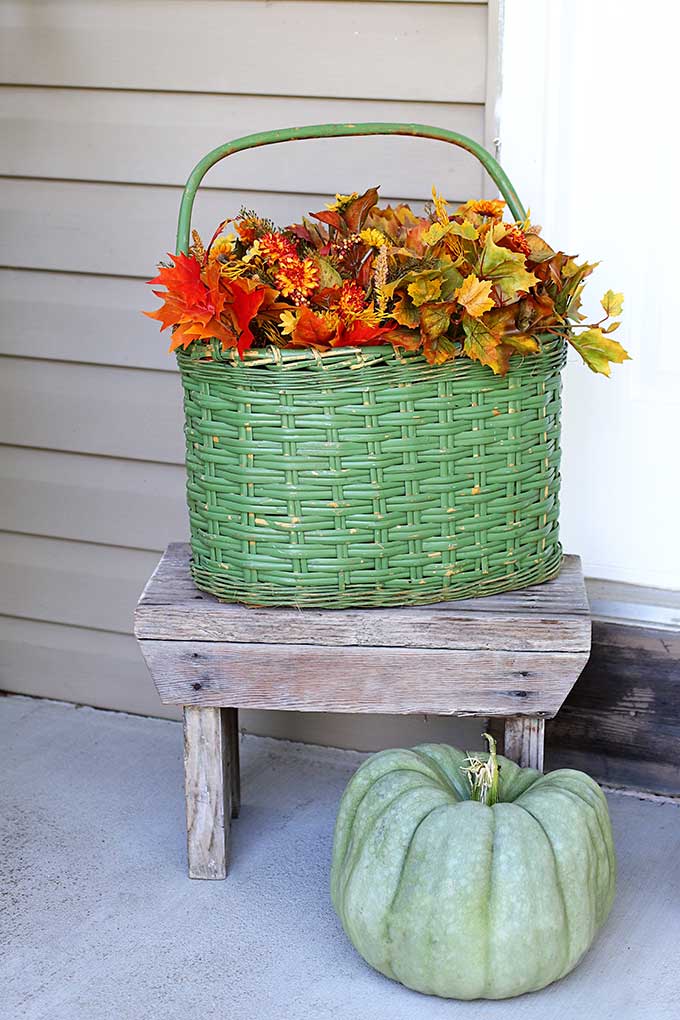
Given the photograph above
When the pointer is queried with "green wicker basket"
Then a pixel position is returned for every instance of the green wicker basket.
(367, 477)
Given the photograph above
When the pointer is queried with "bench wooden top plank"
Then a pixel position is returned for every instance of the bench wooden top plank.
(550, 618)
(404, 681)
(516, 654)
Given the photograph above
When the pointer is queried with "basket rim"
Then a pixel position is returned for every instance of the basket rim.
(356, 357)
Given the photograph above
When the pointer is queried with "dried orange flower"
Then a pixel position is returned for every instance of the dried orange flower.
(352, 301)
(246, 231)
(515, 240)
(273, 247)
(492, 207)
(297, 278)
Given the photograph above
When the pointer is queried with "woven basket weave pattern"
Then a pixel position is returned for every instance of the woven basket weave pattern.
(371, 478)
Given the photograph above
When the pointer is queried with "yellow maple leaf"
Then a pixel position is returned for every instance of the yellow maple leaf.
(425, 290)
(598, 351)
(435, 233)
(612, 303)
(288, 322)
(475, 296)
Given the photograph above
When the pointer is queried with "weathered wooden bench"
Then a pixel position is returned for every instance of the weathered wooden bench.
(513, 656)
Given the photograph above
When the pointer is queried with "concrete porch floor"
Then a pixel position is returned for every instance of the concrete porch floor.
(99, 920)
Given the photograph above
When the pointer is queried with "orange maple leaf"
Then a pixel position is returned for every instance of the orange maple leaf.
(358, 334)
(475, 295)
(183, 278)
(245, 298)
(192, 303)
(187, 332)
(312, 330)
(401, 336)
(186, 298)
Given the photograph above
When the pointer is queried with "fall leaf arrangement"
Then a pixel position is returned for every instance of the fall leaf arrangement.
(446, 284)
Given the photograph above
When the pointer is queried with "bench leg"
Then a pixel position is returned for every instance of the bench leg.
(211, 784)
(524, 740)
(231, 721)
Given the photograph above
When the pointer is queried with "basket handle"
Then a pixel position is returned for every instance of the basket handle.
(294, 134)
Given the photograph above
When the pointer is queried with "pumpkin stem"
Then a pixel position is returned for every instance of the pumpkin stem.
(483, 776)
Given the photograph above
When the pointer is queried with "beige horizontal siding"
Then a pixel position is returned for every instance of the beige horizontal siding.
(94, 586)
(54, 661)
(76, 317)
(155, 138)
(114, 412)
(91, 499)
(105, 108)
(118, 230)
(343, 50)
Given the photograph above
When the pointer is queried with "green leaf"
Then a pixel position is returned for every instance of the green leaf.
(465, 229)
(568, 301)
(434, 320)
(612, 303)
(329, 276)
(597, 350)
(484, 346)
(506, 268)
(451, 281)
(405, 313)
(570, 268)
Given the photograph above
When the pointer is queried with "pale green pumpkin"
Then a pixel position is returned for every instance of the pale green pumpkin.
(464, 899)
